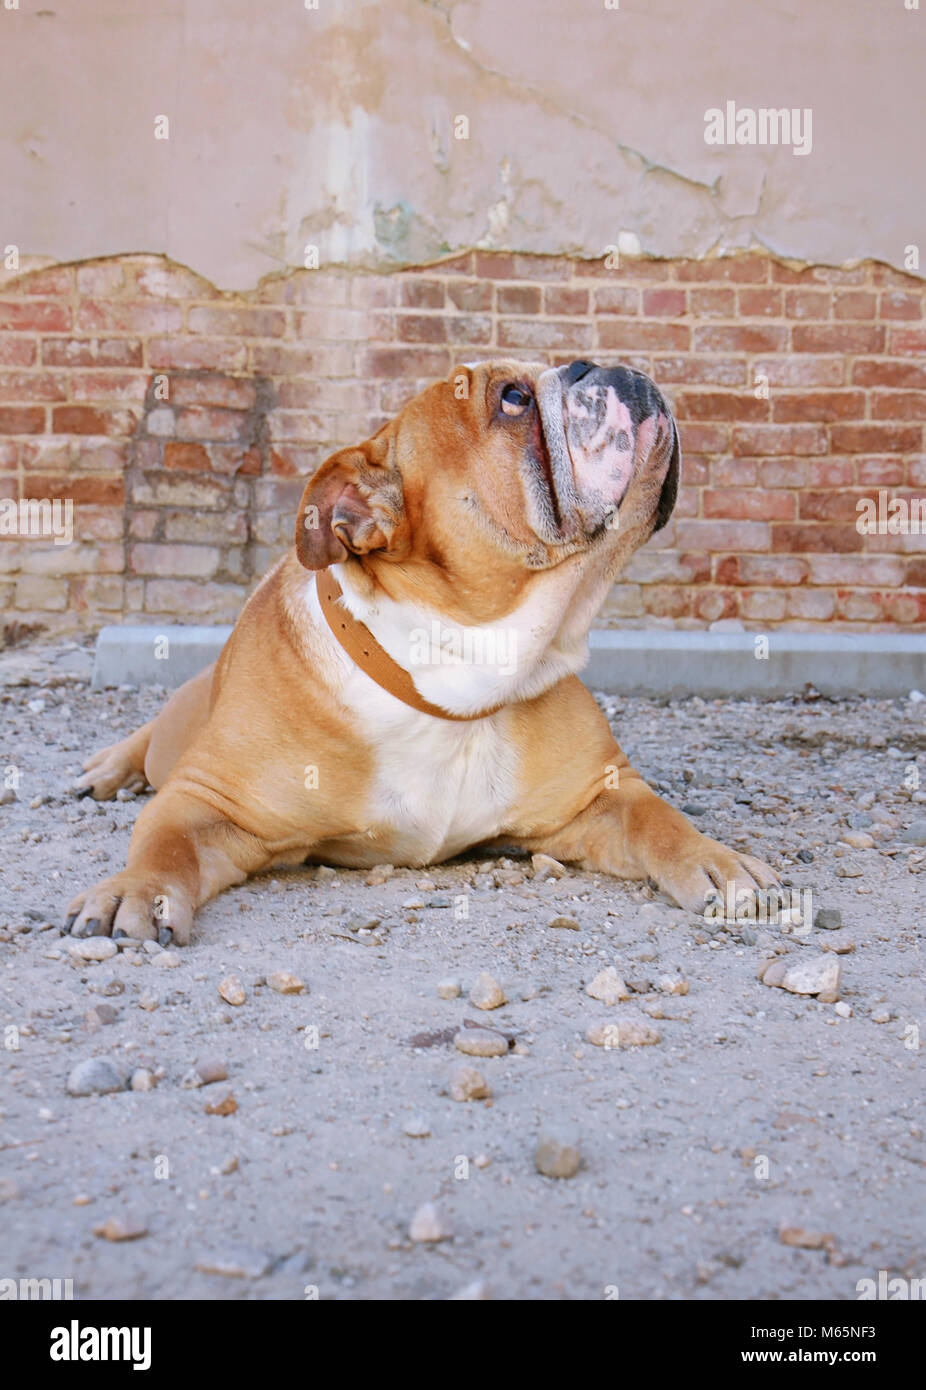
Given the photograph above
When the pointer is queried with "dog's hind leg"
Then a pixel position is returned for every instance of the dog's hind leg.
(146, 757)
(120, 765)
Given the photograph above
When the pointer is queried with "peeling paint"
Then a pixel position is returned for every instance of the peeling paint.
(335, 128)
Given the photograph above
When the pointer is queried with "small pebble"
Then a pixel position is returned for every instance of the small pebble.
(428, 1226)
(557, 1157)
(232, 990)
(479, 1042)
(449, 989)
(92, 948)
(469, 1084)
(608, 987)
(117, 1228)
(417, 1127)
(285, 983)
(487, 993)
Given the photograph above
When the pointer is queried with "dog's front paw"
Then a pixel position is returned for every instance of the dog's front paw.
(705, 868)
(130, 905)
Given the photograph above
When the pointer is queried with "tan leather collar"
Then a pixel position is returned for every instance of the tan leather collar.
(364, 650)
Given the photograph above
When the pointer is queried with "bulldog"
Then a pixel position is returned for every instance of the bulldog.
(402, 685)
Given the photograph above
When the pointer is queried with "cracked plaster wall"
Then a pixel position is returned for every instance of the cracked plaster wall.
(334, 128)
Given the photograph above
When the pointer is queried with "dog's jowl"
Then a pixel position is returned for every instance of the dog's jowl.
(402, 686)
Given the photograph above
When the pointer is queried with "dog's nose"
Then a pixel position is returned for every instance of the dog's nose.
(576, 371)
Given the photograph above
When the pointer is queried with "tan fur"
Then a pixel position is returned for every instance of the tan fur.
(430, 513)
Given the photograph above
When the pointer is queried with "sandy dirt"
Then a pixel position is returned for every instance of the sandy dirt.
(757, 1109)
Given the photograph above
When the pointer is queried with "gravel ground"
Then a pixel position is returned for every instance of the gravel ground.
(760, 1118)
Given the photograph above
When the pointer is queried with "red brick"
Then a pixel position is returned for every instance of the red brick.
(821, 274)
(763, 607)
(33, 386)
(802, 371)
(469, 295)
(22, 419)
(518, 299)
(759, 303)
(34, 316)
(421, 328)
(667, 302)
(108, 386)
(876, 439)
(699, 438)
(84, 419)
(720, 405)
(881, 472)
(632, 269)
(696, 470)
(701, 371)
(783, 472)
(904, 280)
(761, 570)
(205, 422)
(399, 362)
(666, 601)
(231, 392)
(192, 458)
(905, 341)
(818, 405)
(817, 605)
(723, 535)
(730, 472)
(712, 303)
(420, 293)
(779, 439)
(741, 270)
(858, 570)
(807, 537)
(741, 337)
(244, 322)
(749, 504)
(855, 304)
(17, 351)
(96, 492)
(710, 605)
(192, 354)
(808, 304)
(880, 371)
(616, 299)
(897, 304)
(91, 352)
(832, 505)
(670, 337)
(898, 405)
(837, 337)
(128, 316)
(102, 279)
(830, 472)
(325, 361)
(566, 301)
(546, 333)
(52, 280)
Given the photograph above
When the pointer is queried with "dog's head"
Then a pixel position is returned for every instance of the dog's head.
(502, 478)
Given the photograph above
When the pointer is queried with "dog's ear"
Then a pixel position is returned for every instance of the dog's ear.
(351, 505)
(670, 486)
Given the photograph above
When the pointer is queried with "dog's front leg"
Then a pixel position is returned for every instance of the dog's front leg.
(182, 853)
(632, 833)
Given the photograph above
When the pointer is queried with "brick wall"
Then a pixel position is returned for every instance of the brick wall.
(180, 421)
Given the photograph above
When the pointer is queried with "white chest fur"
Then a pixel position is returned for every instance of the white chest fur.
(441, 785)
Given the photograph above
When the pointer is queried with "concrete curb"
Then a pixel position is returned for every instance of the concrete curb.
(654, 663)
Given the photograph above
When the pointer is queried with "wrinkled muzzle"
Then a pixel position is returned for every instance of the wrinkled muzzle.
(604, 427)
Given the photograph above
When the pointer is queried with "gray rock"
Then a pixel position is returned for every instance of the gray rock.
(95, 1076)
(828, 919)
(914, 834)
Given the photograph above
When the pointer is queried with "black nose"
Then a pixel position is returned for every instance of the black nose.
(576, 371)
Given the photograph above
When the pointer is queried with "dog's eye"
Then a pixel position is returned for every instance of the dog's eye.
(515, 399)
